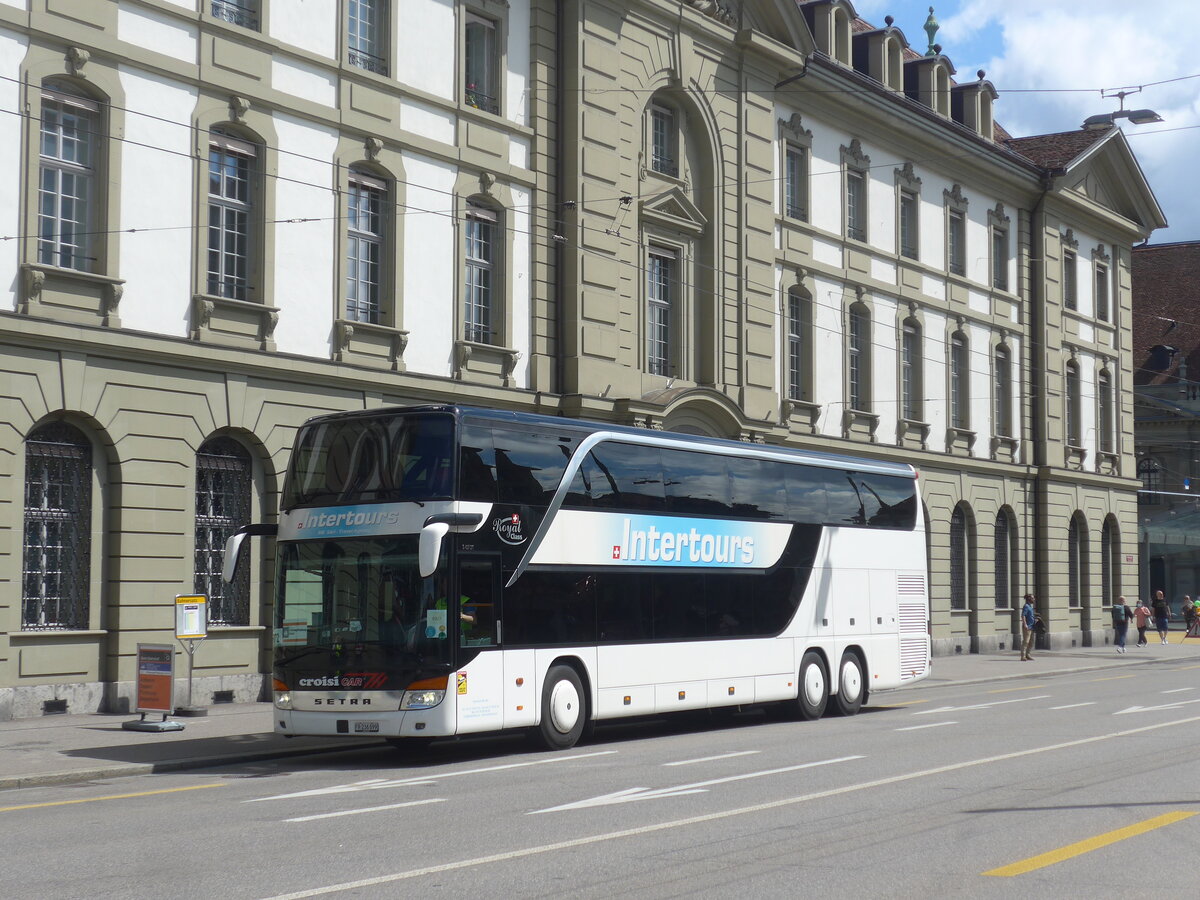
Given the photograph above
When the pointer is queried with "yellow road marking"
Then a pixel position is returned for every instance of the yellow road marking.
(902, 703)
(1189, 667)
(1111, 678)
(1087, 846)
(194, 787)
(1024, 687)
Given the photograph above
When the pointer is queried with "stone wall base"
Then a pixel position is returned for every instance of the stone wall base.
(120, 697)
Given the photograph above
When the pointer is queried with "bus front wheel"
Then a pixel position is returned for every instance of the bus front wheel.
(563, 709)
(851, 688)
(814, 686)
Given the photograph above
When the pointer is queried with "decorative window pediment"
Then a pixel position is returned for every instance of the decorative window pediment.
(674, 209)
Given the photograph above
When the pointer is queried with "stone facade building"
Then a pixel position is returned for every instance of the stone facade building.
(768, 220)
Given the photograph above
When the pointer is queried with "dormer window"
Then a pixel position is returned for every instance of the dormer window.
(927, 80)
(831, 24)
(840, 49)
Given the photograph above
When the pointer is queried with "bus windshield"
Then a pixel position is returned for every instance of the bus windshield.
(360, 593)
(372, 459)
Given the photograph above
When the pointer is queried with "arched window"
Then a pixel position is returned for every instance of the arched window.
(56, 559)
(223, 490)
(1110, 561)
(962, 557)
(1005, 559)
(911, 371)
(1077, 561)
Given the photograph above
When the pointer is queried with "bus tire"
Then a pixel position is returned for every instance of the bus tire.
(851, 687)
(814, 687)
(564, 711)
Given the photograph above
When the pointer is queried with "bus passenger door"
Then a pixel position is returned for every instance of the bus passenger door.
(479, 680)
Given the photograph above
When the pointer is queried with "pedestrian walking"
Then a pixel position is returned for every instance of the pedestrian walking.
(1121, 614)
(1162, 615)
(1141, 617)
(1028, 621)
(1188, 610)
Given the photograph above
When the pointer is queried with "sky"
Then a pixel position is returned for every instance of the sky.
(1052, 65)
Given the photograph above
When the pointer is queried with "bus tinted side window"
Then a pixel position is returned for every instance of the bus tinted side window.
(627, 476)
(894, 501)
(529, 466)
(759, 488)
(477, 464)
(847, 499)
(696, 483)
(807, 499)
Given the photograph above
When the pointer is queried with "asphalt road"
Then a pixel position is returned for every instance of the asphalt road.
(1073, 786)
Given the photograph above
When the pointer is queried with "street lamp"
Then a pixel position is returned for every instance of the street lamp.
(1136, 116)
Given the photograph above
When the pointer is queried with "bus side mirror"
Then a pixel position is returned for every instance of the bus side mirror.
(233, 547)
(429, 550)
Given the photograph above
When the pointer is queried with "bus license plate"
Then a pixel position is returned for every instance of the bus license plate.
(366, 727)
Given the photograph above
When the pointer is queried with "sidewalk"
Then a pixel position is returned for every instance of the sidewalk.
(68, 749)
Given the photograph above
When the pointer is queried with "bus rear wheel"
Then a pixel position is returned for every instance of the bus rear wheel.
(563, 709)
(851, 687)
(814, 686)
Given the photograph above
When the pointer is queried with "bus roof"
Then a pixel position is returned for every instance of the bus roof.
(586, 426)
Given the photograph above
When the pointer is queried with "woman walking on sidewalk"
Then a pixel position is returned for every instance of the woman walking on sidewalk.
(1141, 615)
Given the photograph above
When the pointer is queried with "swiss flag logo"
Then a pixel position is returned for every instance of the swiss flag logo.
(616, 551)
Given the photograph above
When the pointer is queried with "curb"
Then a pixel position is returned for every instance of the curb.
(1110, 664)
(125, 770)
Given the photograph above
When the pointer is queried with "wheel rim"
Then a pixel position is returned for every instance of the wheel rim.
(564, 706)
(814, 685)
(851, 688)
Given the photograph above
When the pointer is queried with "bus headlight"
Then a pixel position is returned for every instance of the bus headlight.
(422, 699)
(426, 693)
(283, 699)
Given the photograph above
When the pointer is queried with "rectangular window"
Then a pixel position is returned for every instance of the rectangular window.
(1073, 406)
(364, 242)
(230, 204)
(796, 379)
(796, 183)
(480, 69)
(1003, 363)
(910, 368)
(480, 272)
(364, 35)
(1104, 390)
(660, 282)
(959, 390)
(65, 181)
(1069, 280)
(856, 205)
(908, 225)
(1000, 259)
(956, 243)
(857, 348)
(662, 141)
(243, 13)
(1102, 292)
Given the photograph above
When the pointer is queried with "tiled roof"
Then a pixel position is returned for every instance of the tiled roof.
(1166, 285)
(1055, 151)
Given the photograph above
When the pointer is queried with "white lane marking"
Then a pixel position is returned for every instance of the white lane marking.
(930, 725)
(946, 709)
(1178, 690)
(374, 784)
(688, 762)
(713, 817)
(631, 794)
(355, 812)
(1175, 705)
(1074, 705)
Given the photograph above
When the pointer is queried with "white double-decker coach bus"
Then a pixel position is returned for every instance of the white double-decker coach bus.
(444, 570)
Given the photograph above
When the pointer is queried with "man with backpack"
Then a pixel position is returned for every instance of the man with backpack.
(1121, 614)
